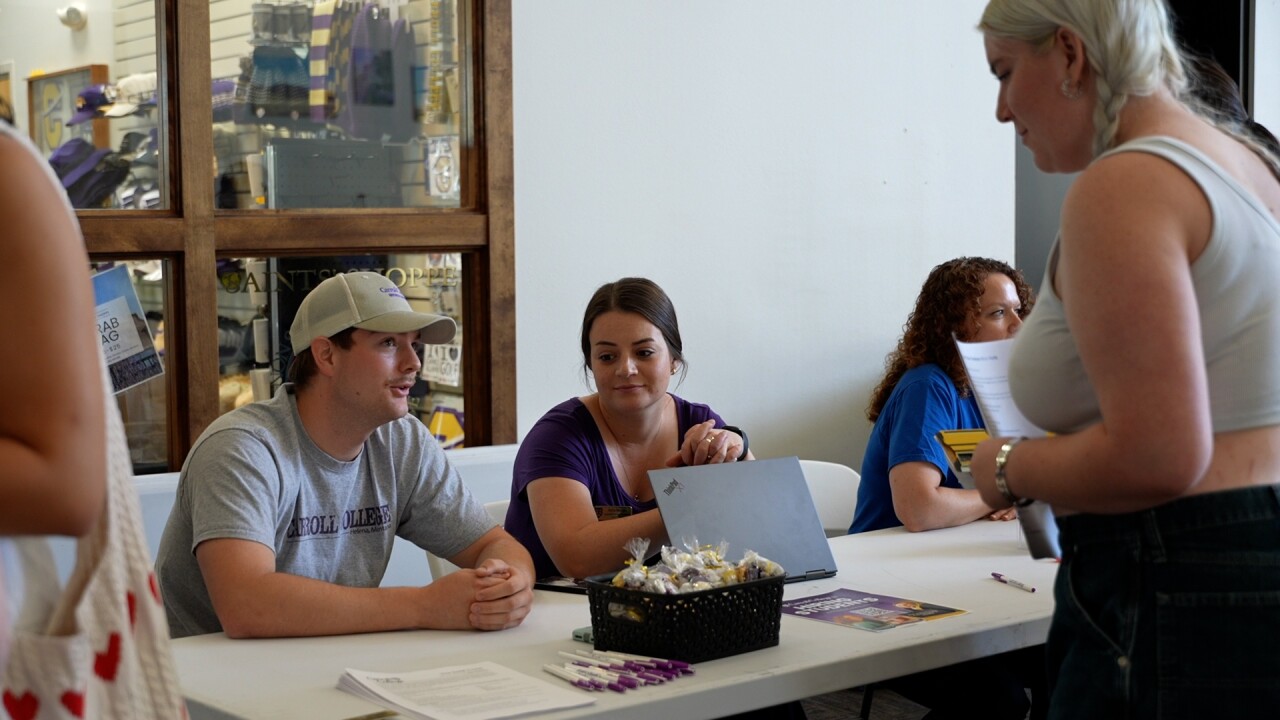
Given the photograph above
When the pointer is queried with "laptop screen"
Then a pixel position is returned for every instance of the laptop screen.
(761, 505)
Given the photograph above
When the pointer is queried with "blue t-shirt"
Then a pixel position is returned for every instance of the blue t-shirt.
(567, 443)
(924, 401)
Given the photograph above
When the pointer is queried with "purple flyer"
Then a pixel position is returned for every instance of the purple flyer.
(865, 611)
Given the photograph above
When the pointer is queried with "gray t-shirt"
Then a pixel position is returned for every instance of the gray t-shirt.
(255, 474)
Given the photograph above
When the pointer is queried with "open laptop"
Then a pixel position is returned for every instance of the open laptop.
(761, 505)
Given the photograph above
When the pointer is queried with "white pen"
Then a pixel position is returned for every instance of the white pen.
(571, 678)
(1014, 583)
(641, 658)
(600, 673)
(579, 657)
(581, 672)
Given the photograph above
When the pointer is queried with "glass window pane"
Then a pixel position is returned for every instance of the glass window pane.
(130, 298)
(338, 103)
(82, 82)
(258, 298)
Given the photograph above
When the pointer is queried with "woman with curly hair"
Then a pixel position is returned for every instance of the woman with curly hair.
(906, 479)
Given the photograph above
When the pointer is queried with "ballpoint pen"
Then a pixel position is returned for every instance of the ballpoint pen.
(1014, 583)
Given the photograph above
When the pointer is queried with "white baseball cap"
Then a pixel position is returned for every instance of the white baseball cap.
(364, 300)
(132, 92)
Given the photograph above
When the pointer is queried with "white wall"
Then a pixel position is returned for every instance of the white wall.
(32, 37)
(1266, 63)
(788, 173)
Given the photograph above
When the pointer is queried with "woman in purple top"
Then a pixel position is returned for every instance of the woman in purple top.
(581, 489)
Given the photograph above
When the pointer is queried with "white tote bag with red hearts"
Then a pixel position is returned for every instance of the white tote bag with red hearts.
(99, 646)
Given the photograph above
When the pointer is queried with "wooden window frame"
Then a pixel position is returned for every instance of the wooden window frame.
(193, 234)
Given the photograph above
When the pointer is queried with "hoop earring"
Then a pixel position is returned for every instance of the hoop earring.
(1069, 92)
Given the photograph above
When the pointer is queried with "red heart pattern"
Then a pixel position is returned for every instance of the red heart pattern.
(105, 666)
(155, 589)
(106, 663)
(74, 703)
(132, 600)
(21, 708)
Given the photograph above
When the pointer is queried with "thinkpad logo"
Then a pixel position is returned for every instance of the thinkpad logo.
(672, 486)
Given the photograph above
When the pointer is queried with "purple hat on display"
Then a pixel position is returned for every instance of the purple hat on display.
(71, 155)
(91, 102)
(87, 173)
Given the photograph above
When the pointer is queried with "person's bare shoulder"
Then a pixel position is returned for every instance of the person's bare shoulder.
(1133, 194)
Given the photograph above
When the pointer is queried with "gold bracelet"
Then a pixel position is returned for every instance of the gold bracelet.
(1002, 483)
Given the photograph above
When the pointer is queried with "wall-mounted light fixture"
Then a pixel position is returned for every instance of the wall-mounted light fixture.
(73, 16)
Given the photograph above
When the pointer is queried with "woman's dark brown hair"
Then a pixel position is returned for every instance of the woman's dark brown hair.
(634, 295)
(1220, 96)
(948, 304)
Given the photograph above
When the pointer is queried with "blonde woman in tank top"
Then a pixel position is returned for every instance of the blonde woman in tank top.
(1152, 354)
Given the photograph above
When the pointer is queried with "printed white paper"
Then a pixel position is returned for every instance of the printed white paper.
(987, 364)
(462, 692)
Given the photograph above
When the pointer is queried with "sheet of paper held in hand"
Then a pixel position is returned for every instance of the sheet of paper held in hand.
(987, 365)
(483, 691)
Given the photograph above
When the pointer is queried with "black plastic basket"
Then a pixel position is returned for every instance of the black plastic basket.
(692, 627)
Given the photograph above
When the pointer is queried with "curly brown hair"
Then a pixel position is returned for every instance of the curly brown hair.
(948, 304)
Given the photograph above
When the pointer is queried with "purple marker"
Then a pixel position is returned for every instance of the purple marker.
(569, 677)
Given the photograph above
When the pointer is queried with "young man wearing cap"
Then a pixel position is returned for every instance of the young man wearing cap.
(287, 509)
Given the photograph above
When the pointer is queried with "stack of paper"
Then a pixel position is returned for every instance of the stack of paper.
(483, 691)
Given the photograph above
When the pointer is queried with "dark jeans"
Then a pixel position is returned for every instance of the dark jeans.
(991, 687)
(1171, 612)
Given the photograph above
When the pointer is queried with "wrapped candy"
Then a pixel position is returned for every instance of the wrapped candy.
(660, 584)
(691, 569)
(754, 567)
(634, 574)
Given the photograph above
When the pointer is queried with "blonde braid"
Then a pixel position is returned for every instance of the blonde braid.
(1106, 115)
